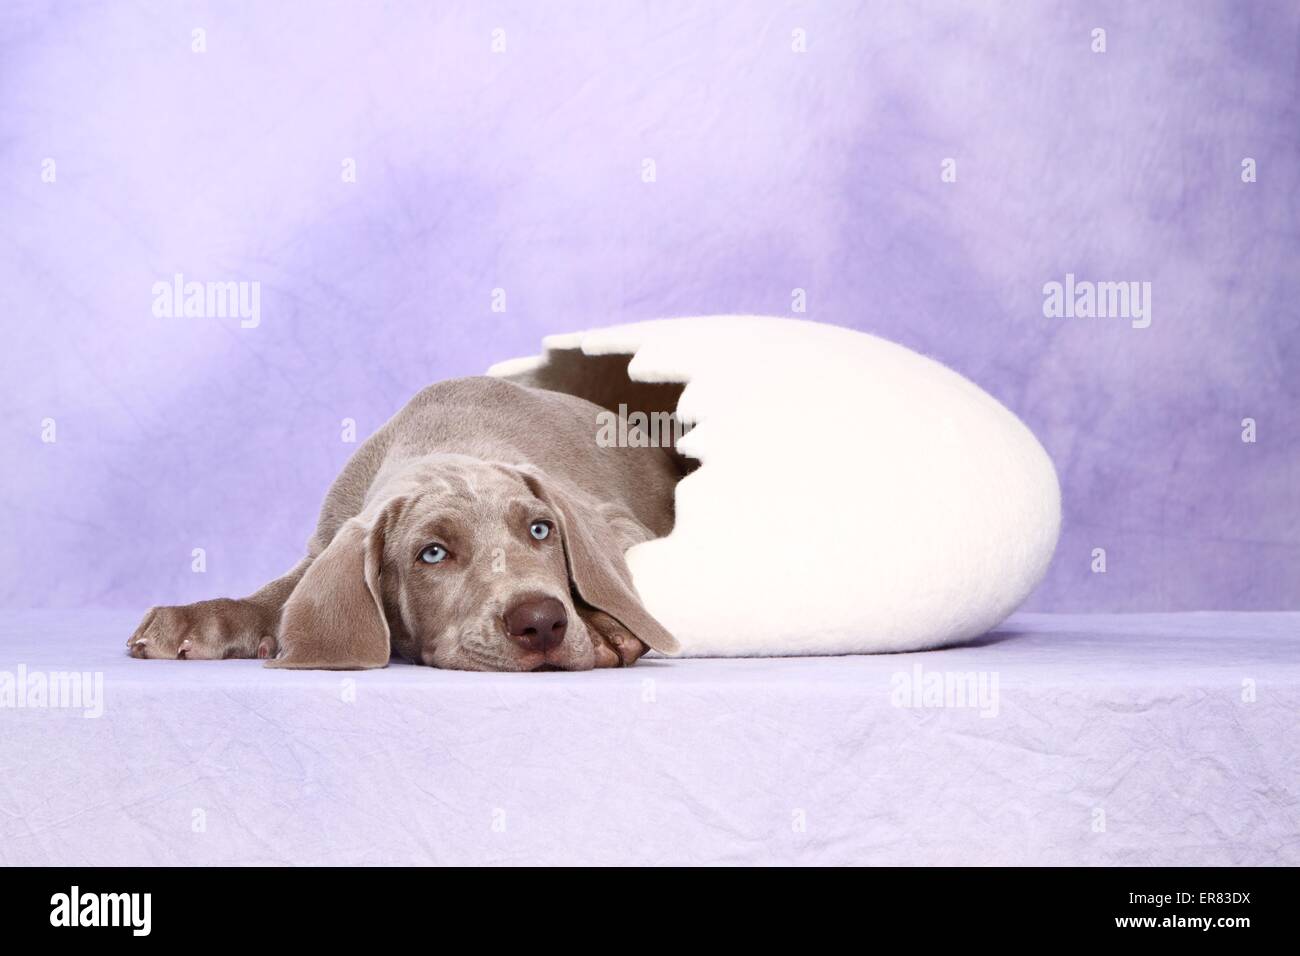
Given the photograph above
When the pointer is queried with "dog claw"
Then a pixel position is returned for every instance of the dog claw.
(183, 651)
(263, 650)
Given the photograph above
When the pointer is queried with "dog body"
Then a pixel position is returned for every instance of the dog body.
(482, 528)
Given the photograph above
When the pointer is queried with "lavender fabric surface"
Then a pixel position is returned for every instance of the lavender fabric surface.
(1115, 739)
(414, 206)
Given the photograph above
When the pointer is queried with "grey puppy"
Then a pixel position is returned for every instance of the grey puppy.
(482, 528)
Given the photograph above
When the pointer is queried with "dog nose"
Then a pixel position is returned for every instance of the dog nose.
(537, 624)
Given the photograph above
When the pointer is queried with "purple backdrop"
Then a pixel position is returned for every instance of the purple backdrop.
(128, 156)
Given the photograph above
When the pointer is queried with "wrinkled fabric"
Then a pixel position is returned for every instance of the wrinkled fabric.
(1121, 739)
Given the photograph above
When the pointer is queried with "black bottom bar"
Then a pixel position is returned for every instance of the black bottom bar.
(215, 906)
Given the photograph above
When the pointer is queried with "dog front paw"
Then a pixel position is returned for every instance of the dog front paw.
(614, 645)
(208, 630)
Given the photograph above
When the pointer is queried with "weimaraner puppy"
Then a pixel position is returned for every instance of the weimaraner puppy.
(482, 528)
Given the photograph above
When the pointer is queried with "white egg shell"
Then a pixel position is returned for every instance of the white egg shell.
(853, 496)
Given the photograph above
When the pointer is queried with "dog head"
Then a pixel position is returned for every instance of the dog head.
(470, 565)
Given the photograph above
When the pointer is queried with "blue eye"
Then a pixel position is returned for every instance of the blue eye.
(541, 530)
(433, 554)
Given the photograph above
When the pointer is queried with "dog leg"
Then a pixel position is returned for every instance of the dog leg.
(219, 629)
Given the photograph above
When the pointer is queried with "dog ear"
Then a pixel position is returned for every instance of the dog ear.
(334, 619)
(597, 570)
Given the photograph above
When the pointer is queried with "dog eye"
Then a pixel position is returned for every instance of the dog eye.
(433, 554)
(541, 530)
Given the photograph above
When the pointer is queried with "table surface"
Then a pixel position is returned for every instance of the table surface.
(1137, 738)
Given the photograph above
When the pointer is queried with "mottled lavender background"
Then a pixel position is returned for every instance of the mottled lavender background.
(522, 170)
